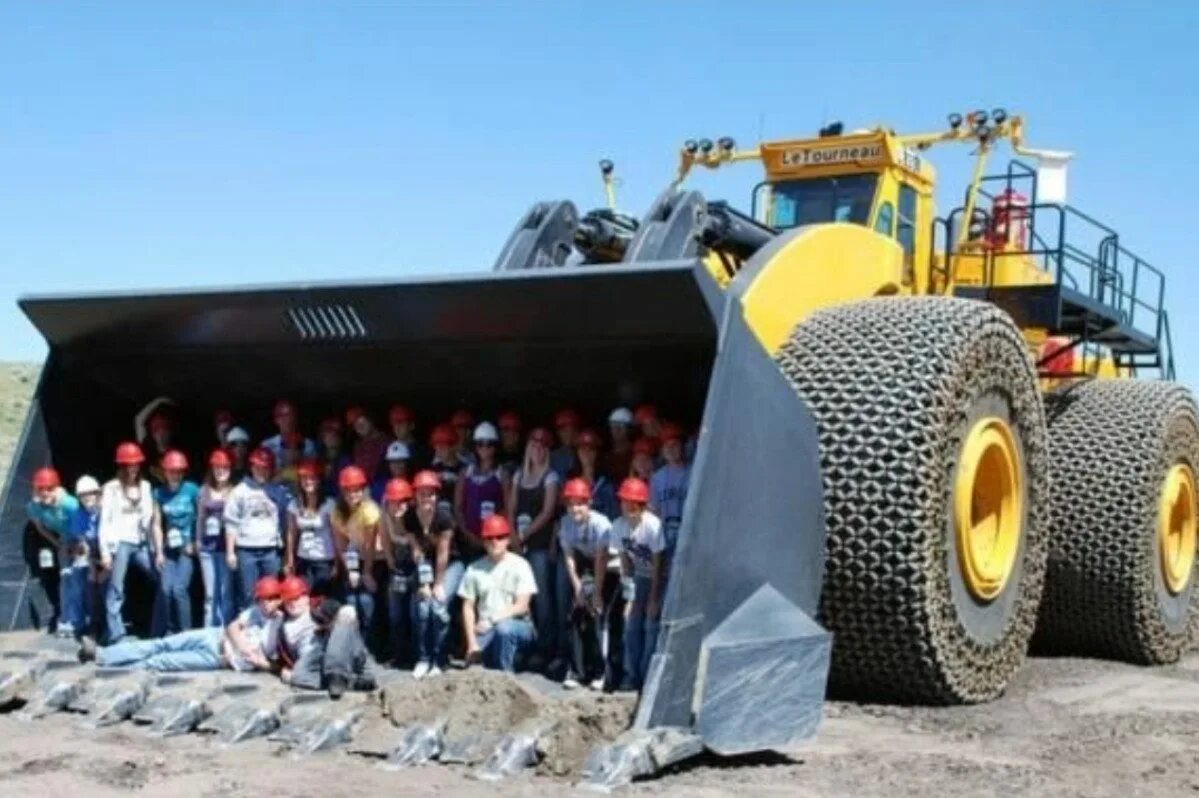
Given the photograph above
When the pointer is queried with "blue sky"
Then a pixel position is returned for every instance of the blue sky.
(172, 144)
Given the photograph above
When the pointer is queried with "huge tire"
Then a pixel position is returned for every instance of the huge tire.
(896, 386)
(1113, 447)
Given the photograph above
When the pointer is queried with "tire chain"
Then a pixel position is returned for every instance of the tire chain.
(888, 381)
(1111, 444)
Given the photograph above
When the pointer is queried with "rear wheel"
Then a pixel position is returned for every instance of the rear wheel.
(933, 450)
(1121, 578)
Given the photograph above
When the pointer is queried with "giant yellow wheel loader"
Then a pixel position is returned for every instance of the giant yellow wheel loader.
(926, 442)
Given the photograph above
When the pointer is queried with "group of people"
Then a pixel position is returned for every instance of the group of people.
(548, 551)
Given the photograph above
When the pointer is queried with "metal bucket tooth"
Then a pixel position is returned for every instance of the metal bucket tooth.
(514, 753)
(419, 744)
(638, 754)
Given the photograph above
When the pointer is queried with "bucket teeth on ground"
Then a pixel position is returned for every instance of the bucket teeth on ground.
(638, 754)
(514, 753)
(419, 744)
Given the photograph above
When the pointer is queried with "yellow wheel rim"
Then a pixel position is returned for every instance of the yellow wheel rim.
(988, 507)
(1176, 524)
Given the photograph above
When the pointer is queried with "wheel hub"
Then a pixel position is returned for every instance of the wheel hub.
(1176, 527)
(988, 508)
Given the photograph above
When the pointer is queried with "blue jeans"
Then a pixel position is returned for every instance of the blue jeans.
(431, 618)
(253, 564)
(176, 590)
(502, 642)
(363, 602)
(73, 596)
(545, 613)
(195, 650)
(218, 591)
(114, 598)
(315, 573)
(640, 636)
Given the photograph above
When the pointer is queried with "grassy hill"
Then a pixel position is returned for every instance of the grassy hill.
(17, 381)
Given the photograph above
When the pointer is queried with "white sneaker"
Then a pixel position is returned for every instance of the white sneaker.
(570, 682)
(597, 684)
(421, 670)
(66, 631)
(434, 672)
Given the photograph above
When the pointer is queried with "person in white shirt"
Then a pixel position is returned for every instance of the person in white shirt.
(256, 518)
(495, 593)
(319, 644)
(126, 524)
(637, 535)
(246, 644)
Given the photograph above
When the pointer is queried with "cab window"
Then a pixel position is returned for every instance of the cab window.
(817, 200)
(906, 234)
(885, 223)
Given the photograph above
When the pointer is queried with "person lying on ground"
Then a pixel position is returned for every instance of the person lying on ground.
(243, 645)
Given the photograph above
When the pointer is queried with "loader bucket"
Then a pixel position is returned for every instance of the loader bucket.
(737, 618)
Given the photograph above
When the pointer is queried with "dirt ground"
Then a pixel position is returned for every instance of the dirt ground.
(1065, 728)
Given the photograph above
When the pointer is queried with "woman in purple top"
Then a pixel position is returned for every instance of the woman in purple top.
(210, 537)
(479, 493)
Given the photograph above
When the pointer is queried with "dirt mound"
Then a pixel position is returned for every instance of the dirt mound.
(476, 702)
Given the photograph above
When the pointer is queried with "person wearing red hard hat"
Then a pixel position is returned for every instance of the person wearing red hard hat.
(436, 573)
(496, 591)
(462, 422)
(446, 463)
(402, 422)
(210, 539)
(126, 532)
(562, 459)
(320, 646)
(256, 519)
(50, 512)
(248, 643)
(532, 510)
(174, 539)
(589, 468)
(311, 553)
(287, 421)
(512, 448)
(668, 491)
(590, 587)
(645, 452)
(356, 536)
(396, 547)
(159, 439)
(647, 420)
(637, 535)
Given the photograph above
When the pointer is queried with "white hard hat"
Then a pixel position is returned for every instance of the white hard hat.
(398, 450)
(237, 435)
(86, 484)
(486, 432)
(621, 415)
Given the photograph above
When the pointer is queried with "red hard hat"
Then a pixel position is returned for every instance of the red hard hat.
(129, 453)
(566, 417)
(174, 460)
(442, 435)
(426, 480)
(646, 445)
(670, 432)
(351, 477)
(399, 414)
(509, 420)
(309, 468)
(588, 438)
(353, 414)
(633, 490)
(263, 458)
(331, 424)
(283, 408)
(46, 478)
(577, 489)
(267, 587)
(397, 490)
(645, 413)
(220, 459)
(462, 418)
(495, 526)
(542, 436)
(292, 588)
